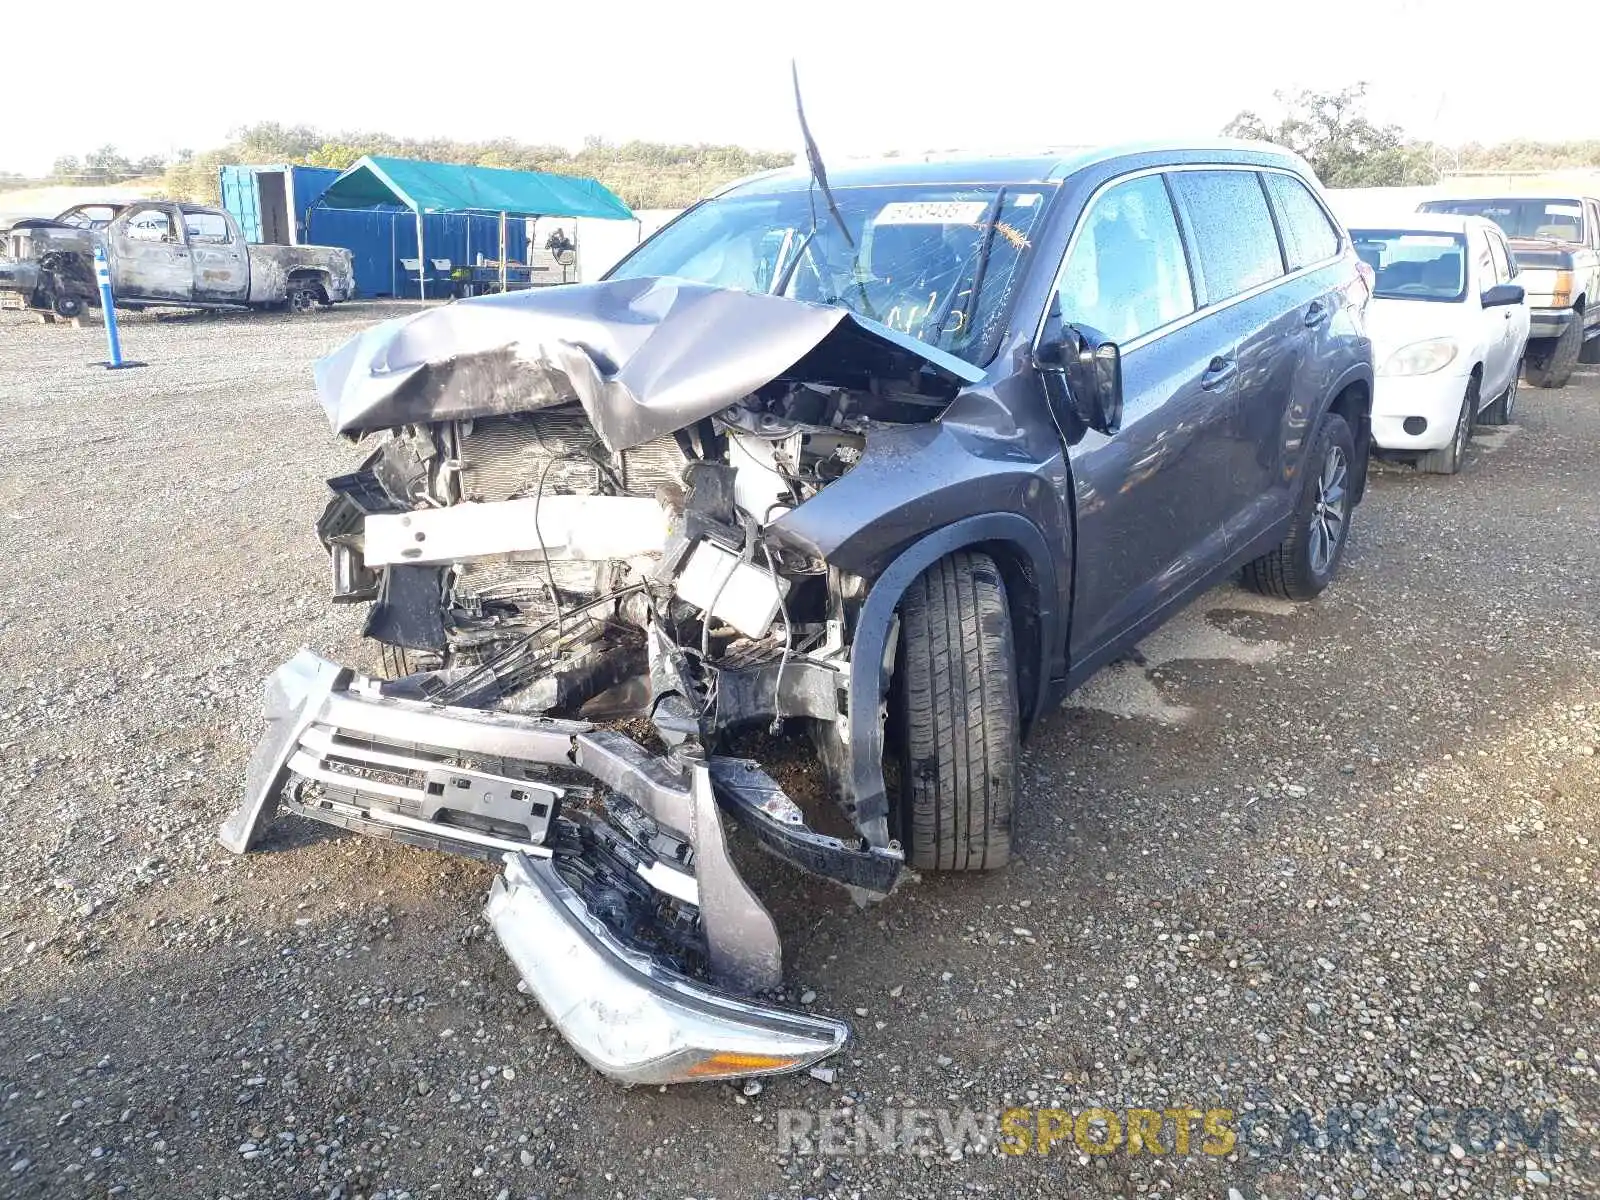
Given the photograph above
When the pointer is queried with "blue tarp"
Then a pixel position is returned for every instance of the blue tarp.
(377, 239)
(427, 187)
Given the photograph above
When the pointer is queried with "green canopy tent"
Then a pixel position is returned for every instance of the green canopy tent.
(374, 182)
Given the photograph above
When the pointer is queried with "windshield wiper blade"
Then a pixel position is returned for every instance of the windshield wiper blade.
(814, 159)
(980, 269)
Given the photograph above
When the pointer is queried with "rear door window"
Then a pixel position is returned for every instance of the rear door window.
(206, 227)
(1126, 274)
(1236, 240)
(1308, 235)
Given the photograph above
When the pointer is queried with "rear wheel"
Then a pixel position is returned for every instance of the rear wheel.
(956, 721)
(67, 306)
(1447, 460)
(304, 297)
(1552, 367)
(1305, 561)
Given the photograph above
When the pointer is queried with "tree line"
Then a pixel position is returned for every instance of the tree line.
(1330, 129)
(1333, 133)
(643, 174)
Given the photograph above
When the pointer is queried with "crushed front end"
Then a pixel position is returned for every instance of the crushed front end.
(47, 265)
(571, 540)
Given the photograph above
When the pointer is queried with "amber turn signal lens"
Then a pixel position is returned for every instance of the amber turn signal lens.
(726, 1063)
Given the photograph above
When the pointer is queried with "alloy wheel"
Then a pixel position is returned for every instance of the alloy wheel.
(1328, 517)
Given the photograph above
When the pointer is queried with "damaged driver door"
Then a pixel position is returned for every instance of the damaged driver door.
(149, 256)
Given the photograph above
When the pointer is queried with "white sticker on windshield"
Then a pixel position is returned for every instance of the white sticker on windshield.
(933, 212)
(1563, 210)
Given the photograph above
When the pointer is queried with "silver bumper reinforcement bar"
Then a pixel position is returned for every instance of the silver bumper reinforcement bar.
(383, 764)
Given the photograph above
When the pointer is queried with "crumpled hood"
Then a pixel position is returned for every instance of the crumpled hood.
(644, 357)
(32, 238)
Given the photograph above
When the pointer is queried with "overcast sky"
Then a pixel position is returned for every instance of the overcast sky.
(877, 77)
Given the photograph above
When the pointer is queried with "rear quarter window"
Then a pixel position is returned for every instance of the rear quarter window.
(1308, 235)
(1236, 243)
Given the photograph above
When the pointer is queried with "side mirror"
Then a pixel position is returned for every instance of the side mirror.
(1501, 294)
(1090, 366)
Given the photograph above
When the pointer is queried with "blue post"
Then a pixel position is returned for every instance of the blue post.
(102, 276)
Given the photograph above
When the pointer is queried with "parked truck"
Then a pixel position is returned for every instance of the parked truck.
(164, 255)
(1556, 242)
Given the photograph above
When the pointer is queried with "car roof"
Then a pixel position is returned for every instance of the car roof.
(1420, 222)
(1554, 197)
(958, 167)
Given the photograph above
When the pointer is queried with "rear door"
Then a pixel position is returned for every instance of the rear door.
(150, 259)
(1240, 271)
(1149, 517)
(221, 264)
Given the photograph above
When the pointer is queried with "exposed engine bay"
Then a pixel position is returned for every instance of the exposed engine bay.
(570, 533)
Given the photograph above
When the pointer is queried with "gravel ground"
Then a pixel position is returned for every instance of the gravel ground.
(1323, 867)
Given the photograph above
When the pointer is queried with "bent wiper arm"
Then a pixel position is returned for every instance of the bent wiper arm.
(814, 159)
(990, 227)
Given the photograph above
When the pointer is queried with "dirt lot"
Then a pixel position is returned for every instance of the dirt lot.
(1328, 868)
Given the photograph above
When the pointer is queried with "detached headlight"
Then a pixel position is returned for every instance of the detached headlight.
(1421, 358)
(625, 1018)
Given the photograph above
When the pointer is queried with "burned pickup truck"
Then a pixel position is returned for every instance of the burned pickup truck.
(164, 255)
(851, 470)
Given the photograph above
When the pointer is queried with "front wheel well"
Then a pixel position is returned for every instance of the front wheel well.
(1022, 599)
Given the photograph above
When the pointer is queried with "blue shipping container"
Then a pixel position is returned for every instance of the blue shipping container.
(277, 203)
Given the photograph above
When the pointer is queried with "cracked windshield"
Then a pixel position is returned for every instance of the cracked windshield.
(939, 264)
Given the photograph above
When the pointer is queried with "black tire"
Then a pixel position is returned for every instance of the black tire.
(304, 298)
(1553, 367)
(67, 306)
(1504, 406)
(955, 705)
(1292, 570)
(1448, 460)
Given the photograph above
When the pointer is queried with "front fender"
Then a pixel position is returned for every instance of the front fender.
(921, 492)
(913, 480)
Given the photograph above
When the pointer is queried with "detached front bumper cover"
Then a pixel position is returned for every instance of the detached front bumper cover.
(339, 750)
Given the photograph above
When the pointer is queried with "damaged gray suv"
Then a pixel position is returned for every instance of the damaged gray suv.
(884, 468)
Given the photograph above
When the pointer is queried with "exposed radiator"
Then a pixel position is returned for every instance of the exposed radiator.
(504, 457)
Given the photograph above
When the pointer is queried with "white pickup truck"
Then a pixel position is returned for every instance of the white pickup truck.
(164, 255)
(1556, 241)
